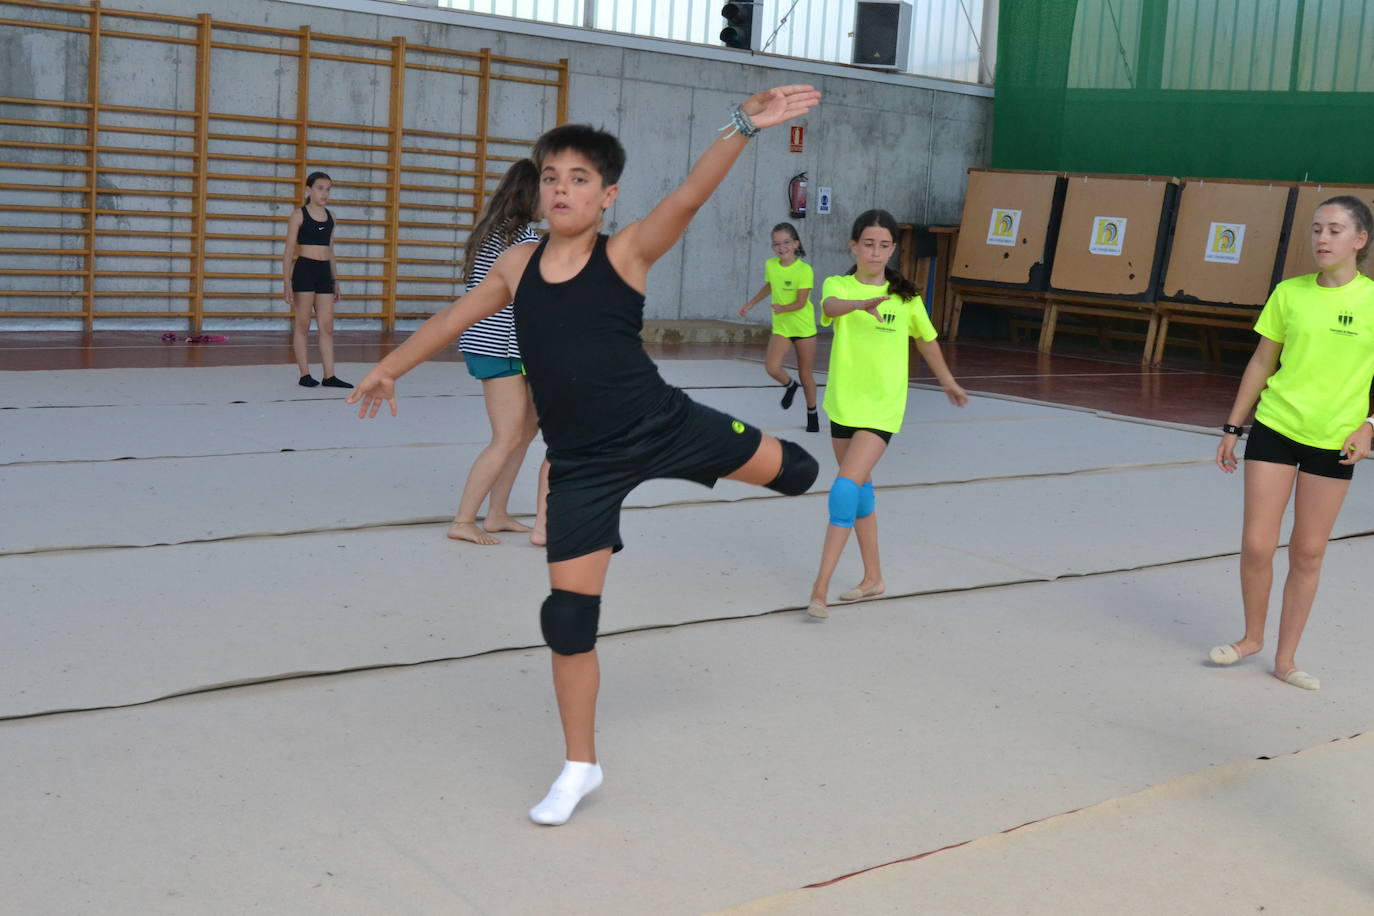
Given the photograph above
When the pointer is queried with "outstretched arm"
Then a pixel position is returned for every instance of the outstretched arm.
(649, 239)
(442, 329)
(835, 307)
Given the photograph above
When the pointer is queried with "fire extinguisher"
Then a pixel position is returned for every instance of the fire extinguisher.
(796, 196)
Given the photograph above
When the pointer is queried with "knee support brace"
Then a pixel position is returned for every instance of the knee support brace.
(866, 501)
(798, 471)
(844, 502)
(568, 621)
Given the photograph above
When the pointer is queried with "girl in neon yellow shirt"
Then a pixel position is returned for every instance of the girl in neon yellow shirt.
(788, 279)
(874, 310)
(1311, 373)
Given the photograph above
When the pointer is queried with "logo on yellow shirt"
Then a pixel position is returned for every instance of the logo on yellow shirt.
(1345, 319)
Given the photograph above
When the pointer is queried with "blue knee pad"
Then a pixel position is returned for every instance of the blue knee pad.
(866, 501)
(844, 502)
(568, 621)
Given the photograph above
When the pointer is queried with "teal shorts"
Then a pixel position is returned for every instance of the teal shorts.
(485, 367)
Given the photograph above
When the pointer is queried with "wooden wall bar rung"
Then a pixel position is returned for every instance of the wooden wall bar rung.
(43, 167)
(252, 119)
(46, 125)
(248, 138)
(136, 151)
(151, 17)
(434, 69)
(44, 103)
(147, 36)
(34, 24)
(257, 49)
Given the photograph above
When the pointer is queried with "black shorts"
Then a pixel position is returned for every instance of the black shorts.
(1265, 444)
(312, 276)
(840, 431)
(678, 439)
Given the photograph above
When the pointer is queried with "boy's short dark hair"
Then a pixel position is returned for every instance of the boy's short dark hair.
(601, 148)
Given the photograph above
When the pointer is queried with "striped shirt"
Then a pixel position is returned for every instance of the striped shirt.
(493, 336)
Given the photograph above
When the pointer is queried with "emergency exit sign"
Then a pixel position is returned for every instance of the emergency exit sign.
(798, 139)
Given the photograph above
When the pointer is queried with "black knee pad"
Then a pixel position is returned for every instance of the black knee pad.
(569, 621)
(798, 471)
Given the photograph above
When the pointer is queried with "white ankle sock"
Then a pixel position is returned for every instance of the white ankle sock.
(571, 786)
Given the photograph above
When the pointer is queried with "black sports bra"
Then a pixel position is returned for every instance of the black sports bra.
(314, 232)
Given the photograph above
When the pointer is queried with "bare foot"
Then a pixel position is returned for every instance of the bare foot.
(468, 531)
(864, 589)
(538, 537)
(503, 523)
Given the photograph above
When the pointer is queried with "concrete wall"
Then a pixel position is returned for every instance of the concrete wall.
(900, 144)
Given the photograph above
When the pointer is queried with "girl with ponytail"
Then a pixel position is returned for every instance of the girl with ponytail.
(874, 309)
(788, 281)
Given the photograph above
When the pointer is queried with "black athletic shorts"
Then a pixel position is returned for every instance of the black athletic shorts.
(312, 276)
(1265, 444)
(679, 439)
(840, 431)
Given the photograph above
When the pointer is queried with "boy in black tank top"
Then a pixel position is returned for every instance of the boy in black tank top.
(608, 418)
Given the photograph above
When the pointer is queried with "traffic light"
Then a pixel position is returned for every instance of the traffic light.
(739, 25)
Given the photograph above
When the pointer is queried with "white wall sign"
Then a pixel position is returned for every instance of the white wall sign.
(1225, 241)
(823, 200)
(1109, 234)
(1003, 226)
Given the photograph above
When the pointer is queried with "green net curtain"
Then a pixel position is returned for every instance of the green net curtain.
(1262, 89)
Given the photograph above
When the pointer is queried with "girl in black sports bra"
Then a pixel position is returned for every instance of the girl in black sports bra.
(311, 279)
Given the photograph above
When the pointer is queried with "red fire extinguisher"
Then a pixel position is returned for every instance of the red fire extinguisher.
(796, 196)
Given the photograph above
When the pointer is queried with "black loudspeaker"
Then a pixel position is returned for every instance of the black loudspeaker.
(882, 34)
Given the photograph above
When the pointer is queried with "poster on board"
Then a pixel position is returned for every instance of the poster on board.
(1225, 241)
(1109, 235)
(1003, 226)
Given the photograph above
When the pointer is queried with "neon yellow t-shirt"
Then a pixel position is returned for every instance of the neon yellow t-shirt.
(784, 283)
(869, 364)
(1320, 393)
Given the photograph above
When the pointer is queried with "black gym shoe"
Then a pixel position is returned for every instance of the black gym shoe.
(335, 382)
(789, 394)
(813, 422)
(307, 381)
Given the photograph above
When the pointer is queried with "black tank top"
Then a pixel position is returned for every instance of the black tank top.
(584, 358)
(314, 232)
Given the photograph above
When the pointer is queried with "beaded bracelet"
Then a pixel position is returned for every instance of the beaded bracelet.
(741, 124)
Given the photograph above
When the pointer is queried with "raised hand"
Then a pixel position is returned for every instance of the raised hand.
(375, 388)
(871, 306)
(779, 104)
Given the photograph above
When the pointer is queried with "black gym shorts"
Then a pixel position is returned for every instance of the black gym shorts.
(840, 431)
(1265, 444)
(312, 276)
(679, 439)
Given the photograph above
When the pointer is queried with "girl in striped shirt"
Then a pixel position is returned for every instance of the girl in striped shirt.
(492, 356)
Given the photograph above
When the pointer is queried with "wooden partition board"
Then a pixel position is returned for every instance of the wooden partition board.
(1112, 235)
(1006, 237)
(1298, 260)
(1226, 242)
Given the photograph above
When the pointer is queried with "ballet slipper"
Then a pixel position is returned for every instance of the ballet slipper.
(818, 609)
(1224, 655)
(856, 593)
(1300, 679)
